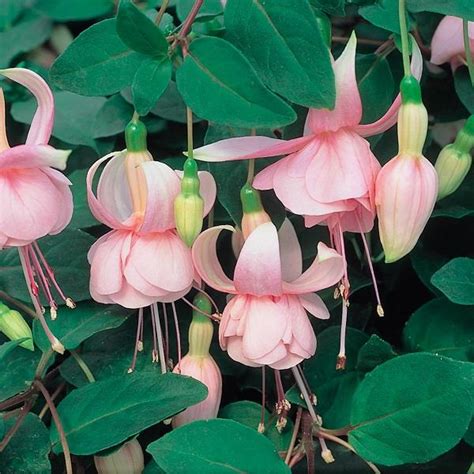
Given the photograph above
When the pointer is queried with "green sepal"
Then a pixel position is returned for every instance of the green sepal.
(190, 183)
(202, 302)
(410, 90)
(250, 198)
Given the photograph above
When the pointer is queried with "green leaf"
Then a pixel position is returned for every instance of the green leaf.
(28, 33)
(66, 10)
(87, 319)
(7, 347)
(376, 85)
(464, 89)
(140, 33)
(216, 446)
(373, 353)
(462, 8)
(441, 327)
(71, 268)
(426, 262)
(331, 7)
(151, 80)
(82, 216)
(96, 63)
(103, 414)
(113, 117)
(287, 32)
(411, 409)
(28, 450)
(249, 414)
(209, 8)
(18, 371)
(10, 11)
(234, 93)
(456, 280)
(383, 14)
(74, 115)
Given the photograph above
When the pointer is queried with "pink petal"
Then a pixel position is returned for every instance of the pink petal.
(31, 204)
(100, 211)
(326, 270)
(163, 260)
(244, 148)
(390, 118)
(207, 264)
(264, 179)
(163, 185)
(33, 156)
(288, 362)
(208, 190)
(266, 324)
(348, 109)
(43, 120)
(3, 131)
(314, 305)
(301, 327)
(290, 252)
(258, 269)
(235, 351)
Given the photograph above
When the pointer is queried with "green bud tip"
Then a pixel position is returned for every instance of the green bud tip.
(410, 90)
(469, 126)
(135, 136)
(202, 302)
(190, 183)
(250, 198)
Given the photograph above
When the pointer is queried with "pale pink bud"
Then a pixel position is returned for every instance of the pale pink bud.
(128, 459)
(206, 371)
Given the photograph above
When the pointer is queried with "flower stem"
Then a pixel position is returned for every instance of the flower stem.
(188, 22)
(189, 127)
(161, 12)
(24, 410)
(59, 426)
(43, 363)
(81, 363)
(404, 36)
(467, 49)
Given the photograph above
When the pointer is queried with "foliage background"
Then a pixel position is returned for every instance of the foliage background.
(428, 296)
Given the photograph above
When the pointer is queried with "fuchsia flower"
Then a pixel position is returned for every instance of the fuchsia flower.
(36, 199)
(142, 260)
(447, 44)
(265, 323)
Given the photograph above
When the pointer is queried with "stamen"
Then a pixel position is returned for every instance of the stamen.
(137, 341)
(283, 406)
(27, 271)
(309, 405)
(167, 335)
(341, 357)
(137, 182)
(380, 311)
(178, 336)
(156, 315)
(261, 425)
(154, 352)
(326, 453)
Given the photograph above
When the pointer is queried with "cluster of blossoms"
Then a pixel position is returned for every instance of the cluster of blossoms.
(155, 252)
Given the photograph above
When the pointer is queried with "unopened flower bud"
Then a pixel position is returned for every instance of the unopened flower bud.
(128, 459)
(454, 160)
(189, 205)
(254, 213)
(15, 327)
(200, 365)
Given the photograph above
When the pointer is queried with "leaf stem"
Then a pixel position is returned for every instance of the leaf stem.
(58, 390)
(161, 12)
(43, 362)
(404, 36)
(84, 367)
(188, 22)
(24, 410)
(59, 426)
(467, 50)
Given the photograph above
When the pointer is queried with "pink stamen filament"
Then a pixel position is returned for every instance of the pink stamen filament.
(167, 335)
(156, 316)
(305, 393)
(154, 352)
(261, 425)
(341, 357)
(178, 335)
(137, 341)
(43, 280)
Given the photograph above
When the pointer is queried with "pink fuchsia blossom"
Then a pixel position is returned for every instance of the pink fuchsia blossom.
(36, 199)
(265, 322)
(447, 44)
(142, 260)
(407, 186)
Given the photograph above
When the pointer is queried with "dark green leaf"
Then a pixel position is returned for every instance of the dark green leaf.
(7, 347)
(151, 80)
(249, 414)
(74, 115)
(27, 452)
(97, 62)
(71, 268)
(456, 280)
(18, 371)
(82, 217)
(442, 327)
(425, 263)
(464, 89)
(138, 32)
(373, 353)
(287, 32)
(209, 8)
(87, 319)
(216, 446)
(28, 33)
(234, 93)
(171, 106)
(383, 14)
(411, 409)
(10, 11)
(462, 8)
(65, 10)
(331, 7)
(103, 414)
(113, 117)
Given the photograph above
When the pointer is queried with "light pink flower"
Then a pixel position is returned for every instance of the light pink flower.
(36, 199)
(447, 44)
(265, 323)
(206, 371)
(142, 260)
